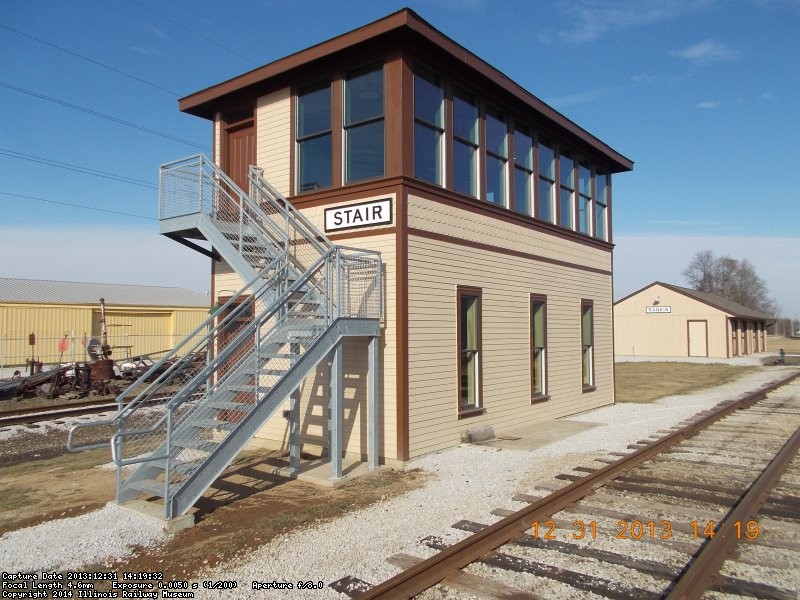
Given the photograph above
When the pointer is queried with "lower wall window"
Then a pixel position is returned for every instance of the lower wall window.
(587, 343)
(469, 349)
(538, 346)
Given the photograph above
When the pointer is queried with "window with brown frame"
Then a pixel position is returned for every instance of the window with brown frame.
(469, 350)
(545, 209)
(523, 170)
(584, 220)
(313, 135)
(363, 123)
(465, 142)
(566, 189)
(428, 126)
(496, 157)
(601, 190)
(538, 347)
(587, 344)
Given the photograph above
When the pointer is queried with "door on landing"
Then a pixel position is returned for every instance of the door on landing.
(238, 153)
(698, 338)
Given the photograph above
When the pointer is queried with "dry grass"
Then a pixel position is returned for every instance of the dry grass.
(647, 381)
(789, 345)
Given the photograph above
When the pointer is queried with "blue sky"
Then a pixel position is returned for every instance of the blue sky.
(701, 94)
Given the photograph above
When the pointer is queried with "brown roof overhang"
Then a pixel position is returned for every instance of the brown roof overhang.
(218, 97)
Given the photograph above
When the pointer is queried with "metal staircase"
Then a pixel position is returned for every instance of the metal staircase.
(184, 420)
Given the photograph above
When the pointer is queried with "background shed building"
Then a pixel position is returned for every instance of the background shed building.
(667, 320)
(493, 223)
(140, 319)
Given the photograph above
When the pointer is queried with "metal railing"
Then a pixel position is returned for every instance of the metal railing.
(199, 394)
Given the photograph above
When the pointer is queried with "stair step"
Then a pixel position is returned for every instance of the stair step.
(272, 372)
(303, 333)
(241, 387)
(228, 405)
(181, 467)
(214, 424)
(195, 444)
(150, 486)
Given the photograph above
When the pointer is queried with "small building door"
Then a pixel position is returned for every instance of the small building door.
(238, 153)
(698, 338)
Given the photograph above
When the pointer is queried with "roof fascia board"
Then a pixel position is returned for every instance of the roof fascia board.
(201, 103)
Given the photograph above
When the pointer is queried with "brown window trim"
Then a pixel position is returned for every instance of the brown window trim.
(463, 290)
(472, 412)
(544, 396)
(591, 387)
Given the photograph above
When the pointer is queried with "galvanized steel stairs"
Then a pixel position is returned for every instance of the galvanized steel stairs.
(183, 422)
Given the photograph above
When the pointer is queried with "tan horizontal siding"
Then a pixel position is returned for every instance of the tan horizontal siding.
(315, 390)
(274, 138)
(439, 218)
(436, 268)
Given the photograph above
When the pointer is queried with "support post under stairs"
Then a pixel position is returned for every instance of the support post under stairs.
(373, 415)
(336, 413)
(294, 432)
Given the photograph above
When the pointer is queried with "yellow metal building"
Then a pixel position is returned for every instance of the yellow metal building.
(64, 316)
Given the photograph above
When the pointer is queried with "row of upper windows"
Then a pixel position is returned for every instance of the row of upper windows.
(541, 179)
(544, 180)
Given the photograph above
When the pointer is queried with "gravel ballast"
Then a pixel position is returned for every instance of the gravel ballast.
(469, 481)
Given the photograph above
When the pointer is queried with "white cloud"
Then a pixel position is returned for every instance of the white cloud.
(707, 52)
(103, 255)
(146, 50)
(641, 259)
(708, 105)
(154, 31)
(583, 97)
(590, 19)
(767, 96)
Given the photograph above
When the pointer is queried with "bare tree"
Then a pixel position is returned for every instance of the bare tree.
(730, 278)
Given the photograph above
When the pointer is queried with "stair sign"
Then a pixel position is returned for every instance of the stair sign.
(362, 214)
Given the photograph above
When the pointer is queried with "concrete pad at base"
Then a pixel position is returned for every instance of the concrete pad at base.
(318, 471)
(536, 435)
(156, 511)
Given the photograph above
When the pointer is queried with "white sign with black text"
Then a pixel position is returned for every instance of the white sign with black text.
(657, 309)
(363, 214)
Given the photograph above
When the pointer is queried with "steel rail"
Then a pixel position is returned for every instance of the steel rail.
(47, 413)
(705, 566)
(431, 571)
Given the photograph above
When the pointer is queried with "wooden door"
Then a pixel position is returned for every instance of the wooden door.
(698, 338)
(238, 153)
(231, 330)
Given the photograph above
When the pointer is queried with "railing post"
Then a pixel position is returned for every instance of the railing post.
(167, 465)
(200, 187)
(336, 413)
(373, 405)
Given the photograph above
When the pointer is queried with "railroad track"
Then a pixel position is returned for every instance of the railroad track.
(710, 507)
(27, 416)
(38, 414)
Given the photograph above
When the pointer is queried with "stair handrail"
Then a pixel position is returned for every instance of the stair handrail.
(201, 376)
(245, 335)
(203, 167)
(312, 233)
(208, 324)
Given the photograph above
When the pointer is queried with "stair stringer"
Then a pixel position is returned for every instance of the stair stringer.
(223, 455)
(184, 497)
